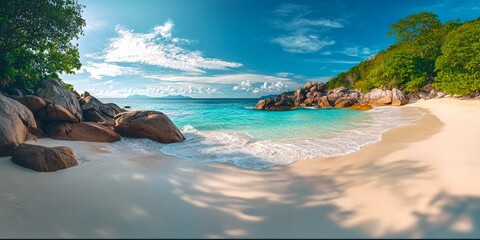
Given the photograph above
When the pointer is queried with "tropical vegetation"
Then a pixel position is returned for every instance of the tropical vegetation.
(426, 52)
(36, 40)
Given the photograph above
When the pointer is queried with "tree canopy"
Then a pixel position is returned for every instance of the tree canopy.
(427, 51)
(36, 40)
(414, 25)
(459, 65)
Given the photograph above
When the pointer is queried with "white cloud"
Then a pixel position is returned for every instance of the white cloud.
(284, 74)
(302, 32)
(164, 30)
(358, 51)
(92, 21)
(275, 87)
(303, 23)
(287, 9)
(153, 91)
(99, 70)
(353, 51)
(158, 48)
(302, 43)
(219, 79)
(332, 61)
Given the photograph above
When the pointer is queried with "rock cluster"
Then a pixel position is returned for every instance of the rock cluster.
(95, 111)
(381, 97)
(314, 94)
(56, 112)
(426, 92)
(61, 100)
(281, 102)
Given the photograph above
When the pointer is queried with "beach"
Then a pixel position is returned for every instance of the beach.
(420, 180)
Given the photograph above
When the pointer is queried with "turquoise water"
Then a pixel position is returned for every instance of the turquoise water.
(230, 130)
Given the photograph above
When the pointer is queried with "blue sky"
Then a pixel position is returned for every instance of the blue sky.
(234, 48)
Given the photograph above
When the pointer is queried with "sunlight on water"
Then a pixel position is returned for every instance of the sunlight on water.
(230, 130)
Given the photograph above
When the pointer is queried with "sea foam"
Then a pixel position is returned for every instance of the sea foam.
(241, 150)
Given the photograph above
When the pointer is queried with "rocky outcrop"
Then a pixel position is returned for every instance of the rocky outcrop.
(378, 97)
(343, 97)
(95, 111)
(381, 97)
(323, 102)
(426, 92)
(398, 98)
(315, 94)
(45, 110)
(282, 102)
(53, 112)
(32, 102)
(147, 124)
(309, 94)
(44, 159)
(84, 131)
(17, 125)
(63, 105)
(343, 102)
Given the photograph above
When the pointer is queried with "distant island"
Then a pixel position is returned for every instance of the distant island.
(175, 97)
(164, 97)
(269, 96)
(138, 96)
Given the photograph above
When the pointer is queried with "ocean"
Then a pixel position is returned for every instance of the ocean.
(232, 131)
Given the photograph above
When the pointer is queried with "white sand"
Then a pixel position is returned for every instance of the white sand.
(419, 181)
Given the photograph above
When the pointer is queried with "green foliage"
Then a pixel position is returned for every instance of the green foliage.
(425, 47)
(414, 25)
(459, 66)
(35, 40)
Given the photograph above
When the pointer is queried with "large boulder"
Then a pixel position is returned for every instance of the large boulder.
(343, 102)
(45, 110)
(44, 159)
(147, 124)
(62, 99)
(334, 94)
(53, 112)
(94, 110)
(32, 102)
(381, 97)
(378, 97)
(17, 125)
(398, 97)
(83, 131)
(282, 102)
(323, 102)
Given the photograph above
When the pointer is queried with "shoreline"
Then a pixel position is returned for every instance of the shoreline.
(402, 186)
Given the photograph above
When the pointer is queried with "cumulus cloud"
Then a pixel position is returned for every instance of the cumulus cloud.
(358, 51)
(153, 91)
(274, 87)
(220, 79)
(301, 43)
(158, 48)
(301, 32)
(99, 70)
